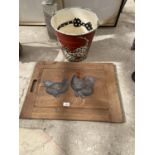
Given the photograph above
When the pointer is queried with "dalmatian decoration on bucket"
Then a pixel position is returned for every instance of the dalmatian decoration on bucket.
(78, 54)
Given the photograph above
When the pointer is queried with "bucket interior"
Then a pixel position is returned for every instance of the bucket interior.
(74, 21)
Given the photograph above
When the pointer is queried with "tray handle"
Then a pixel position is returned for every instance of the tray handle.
(33, 86)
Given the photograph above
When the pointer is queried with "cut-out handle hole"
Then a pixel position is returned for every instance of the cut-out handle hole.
(33, 86)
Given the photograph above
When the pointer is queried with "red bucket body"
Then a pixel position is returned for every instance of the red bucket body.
(75, 48)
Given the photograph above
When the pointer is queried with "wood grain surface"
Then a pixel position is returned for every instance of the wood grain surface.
(103, 105)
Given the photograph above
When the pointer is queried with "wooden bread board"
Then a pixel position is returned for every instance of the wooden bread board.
(103, 105)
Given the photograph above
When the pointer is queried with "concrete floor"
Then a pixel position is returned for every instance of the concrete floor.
(45, 137)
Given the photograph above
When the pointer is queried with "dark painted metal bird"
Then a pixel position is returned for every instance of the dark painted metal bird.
(56, 88)
(84, 86)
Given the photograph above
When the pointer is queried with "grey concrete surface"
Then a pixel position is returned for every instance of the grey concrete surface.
(52, 137)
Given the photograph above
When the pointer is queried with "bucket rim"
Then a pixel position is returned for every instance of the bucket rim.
(71, 34)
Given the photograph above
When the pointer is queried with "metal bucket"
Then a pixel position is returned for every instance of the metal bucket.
(75, 29)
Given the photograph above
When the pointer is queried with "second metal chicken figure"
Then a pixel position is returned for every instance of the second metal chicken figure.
(84, 86)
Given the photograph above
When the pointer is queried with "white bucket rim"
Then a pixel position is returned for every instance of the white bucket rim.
(72, 34)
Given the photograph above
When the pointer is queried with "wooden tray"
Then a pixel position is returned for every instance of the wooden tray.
(103, 105)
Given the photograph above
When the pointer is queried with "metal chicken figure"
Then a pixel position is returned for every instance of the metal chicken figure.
(82, 87)
(56, 88)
